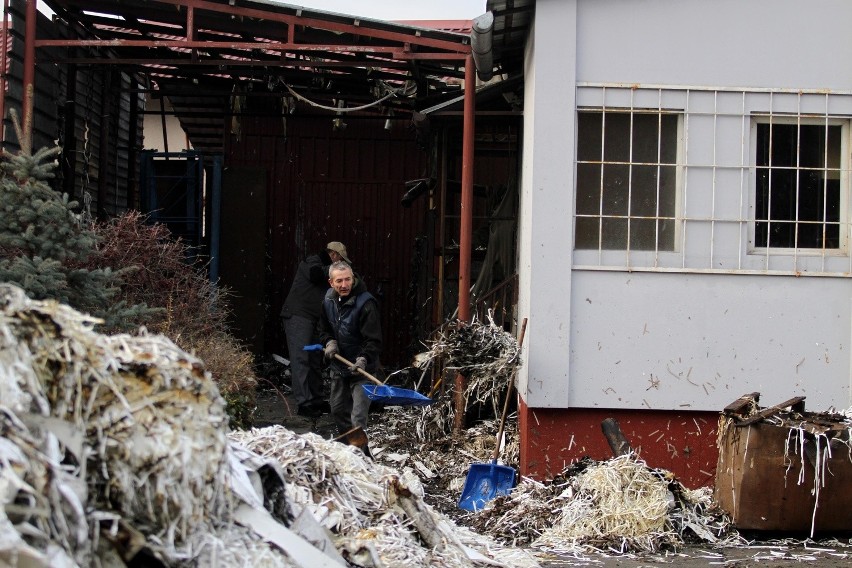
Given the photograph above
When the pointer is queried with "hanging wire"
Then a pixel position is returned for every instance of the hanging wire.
(404, 91)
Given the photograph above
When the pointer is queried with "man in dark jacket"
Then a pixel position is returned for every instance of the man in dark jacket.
(350, 325)
(300, 314)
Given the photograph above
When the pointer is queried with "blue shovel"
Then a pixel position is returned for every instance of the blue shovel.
(485, 481)
(391, 396)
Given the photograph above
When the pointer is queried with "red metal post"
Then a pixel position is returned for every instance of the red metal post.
(466, 230)
(29, 77)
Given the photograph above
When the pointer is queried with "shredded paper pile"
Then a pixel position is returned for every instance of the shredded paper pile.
(483, 352)
(116, 449)
(615, 506)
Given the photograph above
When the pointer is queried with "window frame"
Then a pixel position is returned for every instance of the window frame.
(844, 163)
(677, 165)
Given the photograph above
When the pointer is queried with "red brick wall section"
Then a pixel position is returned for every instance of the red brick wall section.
(681, 442)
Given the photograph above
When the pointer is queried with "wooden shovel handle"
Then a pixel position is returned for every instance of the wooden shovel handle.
(496, 451)
(340, 358)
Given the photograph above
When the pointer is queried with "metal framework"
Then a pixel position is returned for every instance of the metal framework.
(203, 53)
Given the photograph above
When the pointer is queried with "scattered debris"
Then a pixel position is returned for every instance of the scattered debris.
(617, 506)
(483, 352)
(371, 507)
(116, 448)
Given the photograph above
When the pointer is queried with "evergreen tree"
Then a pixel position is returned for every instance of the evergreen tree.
(44, 244)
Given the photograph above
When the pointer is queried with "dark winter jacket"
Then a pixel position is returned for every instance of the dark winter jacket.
(355, 323)
(309, 286)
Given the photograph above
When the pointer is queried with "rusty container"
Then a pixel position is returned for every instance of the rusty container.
(765, 478)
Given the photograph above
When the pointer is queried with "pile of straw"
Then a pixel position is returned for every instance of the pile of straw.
(619, 505)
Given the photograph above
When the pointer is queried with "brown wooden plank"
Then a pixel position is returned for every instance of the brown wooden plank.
(769, 411)
(742, 403)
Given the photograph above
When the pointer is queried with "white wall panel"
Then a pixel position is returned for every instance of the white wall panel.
(699, 341)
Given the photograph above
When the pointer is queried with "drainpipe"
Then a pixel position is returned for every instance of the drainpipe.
(466, 230)
(29, 77)
(480, 44)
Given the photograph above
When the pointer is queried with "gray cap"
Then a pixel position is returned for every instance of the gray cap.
(339, 248)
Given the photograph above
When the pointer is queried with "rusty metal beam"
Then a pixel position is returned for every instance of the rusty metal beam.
(466, 228)
(231, 63)
(449, 41)
(397, 52)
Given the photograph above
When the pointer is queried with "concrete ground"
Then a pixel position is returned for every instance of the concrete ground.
(755, 555)
(275, 405)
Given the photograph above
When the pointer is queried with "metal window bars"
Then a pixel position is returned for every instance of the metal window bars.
(710, 210)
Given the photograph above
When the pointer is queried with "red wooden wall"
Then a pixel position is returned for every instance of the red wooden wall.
(342, 185)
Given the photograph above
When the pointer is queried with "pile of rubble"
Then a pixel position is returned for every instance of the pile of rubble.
(615, 506)
(115, 450)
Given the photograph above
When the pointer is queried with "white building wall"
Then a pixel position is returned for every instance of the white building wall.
(699, 341)
(546, 238)
(721, 43)
(694, 328)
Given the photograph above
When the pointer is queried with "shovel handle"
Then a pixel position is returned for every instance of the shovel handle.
(345, 361)
(496, 451)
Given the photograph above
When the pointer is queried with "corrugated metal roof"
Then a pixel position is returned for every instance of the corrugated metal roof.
(512, 20)
(203, 53)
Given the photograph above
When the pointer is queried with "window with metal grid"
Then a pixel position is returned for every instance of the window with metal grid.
(797, 183)
(626, 180)
(707, 180)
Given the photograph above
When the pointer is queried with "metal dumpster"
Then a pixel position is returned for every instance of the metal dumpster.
(783, 469)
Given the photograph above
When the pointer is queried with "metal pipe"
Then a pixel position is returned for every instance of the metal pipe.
(466, 229)
(480, 43)
(29, 77)
(466, 210)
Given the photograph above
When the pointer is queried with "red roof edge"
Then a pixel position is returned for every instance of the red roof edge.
(459, 26)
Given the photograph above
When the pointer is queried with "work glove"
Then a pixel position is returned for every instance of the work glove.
(360, 363)
(330, 350)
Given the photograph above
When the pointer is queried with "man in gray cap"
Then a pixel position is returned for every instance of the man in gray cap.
(299, 314)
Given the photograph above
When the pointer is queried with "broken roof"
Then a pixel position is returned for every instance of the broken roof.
(200, 53)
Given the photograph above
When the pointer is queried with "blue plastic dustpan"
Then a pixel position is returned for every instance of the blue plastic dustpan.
(379, 392)
(484, 482)
(395, 396)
